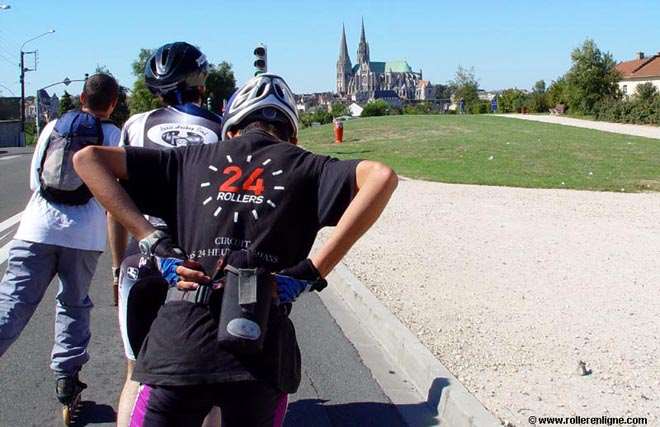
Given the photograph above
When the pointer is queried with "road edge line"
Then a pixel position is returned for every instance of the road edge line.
(434, 384)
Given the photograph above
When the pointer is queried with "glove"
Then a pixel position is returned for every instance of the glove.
(293, 281)
(168, 257)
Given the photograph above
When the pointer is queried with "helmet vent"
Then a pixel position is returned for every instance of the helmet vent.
(163, 58)
(261, 90)
(279, 91)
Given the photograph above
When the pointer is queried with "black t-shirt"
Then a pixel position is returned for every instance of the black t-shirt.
(252, 192)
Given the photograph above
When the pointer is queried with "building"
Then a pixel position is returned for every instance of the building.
(48, 106)
(358, 82)
(424, 91)
(355, 109)
(313, 101)
(641, 70)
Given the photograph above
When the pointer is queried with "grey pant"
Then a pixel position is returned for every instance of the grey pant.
(30, 269)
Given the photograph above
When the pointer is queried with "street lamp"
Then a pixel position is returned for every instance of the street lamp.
(22, 79)
(34, 38)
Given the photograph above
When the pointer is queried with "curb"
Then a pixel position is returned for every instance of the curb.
(447, 398)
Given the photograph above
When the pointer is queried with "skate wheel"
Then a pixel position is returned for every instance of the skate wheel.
(66, 415)
(69, 411)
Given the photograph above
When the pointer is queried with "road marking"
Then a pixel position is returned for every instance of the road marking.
(4, 226)
(8, 157)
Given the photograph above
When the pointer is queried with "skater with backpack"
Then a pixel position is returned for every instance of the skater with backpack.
(62, 232)
(242, 217)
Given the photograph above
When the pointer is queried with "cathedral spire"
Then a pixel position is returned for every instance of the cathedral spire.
(344, 66)
(363, 48)
(363, 38)
(343, 48)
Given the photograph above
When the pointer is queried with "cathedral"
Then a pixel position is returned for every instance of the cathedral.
(360, 82)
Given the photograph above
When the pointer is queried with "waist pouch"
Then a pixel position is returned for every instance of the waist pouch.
(246, 300)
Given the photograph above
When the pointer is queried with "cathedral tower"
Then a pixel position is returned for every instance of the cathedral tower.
(344, 66)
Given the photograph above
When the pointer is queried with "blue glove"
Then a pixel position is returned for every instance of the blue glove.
(289, 288)
(168, 257)
(293, 281)
(167, 267)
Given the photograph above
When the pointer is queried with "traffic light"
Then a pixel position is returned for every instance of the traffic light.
(260, 60)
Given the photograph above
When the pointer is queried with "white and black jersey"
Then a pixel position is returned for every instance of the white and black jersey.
(171, 127)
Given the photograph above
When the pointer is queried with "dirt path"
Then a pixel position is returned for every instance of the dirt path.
(626, 129)
(512, 288)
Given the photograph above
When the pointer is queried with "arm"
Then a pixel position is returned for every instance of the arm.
(376, 183)
(100, 168)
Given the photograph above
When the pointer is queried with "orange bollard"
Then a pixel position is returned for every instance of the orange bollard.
(339, 131)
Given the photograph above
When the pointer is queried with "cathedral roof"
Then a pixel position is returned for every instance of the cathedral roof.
(397, 67)
(386, 67)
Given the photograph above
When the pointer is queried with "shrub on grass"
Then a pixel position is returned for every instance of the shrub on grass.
(635, 110)
(376, 108)
(319, 116)
(511, 101)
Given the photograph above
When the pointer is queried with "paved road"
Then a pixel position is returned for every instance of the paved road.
(337, 389)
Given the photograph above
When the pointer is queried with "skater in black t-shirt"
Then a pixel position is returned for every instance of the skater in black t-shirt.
(176, 73)
(253, 197)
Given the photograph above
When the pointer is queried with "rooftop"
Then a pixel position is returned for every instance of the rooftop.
(641, 67)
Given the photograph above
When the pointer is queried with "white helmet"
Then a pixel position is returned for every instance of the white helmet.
(265, 97)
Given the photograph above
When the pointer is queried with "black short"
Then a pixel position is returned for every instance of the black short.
(242, 404)
(142, 292)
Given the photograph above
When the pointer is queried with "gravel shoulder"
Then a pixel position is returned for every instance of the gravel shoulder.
(512, 288)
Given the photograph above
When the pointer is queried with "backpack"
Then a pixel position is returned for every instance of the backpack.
(59, 182)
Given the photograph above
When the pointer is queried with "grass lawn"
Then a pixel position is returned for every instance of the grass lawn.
(497, 151)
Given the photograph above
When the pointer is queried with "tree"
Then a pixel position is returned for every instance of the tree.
(557, 93)
(142, 99)
(338, 109)
(376, 108)
(539, 87)
(646, 92)
(537, 102)
(592, 78)
(121, 112)
(511, 101)
(220, 85)
(66, 103)
(465, 86)
(443, 91)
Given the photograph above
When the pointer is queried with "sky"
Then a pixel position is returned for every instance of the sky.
(509, 43)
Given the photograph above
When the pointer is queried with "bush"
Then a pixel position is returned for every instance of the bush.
(339, 109)
(646, 92)
(483, 107)
(537, 103)
(30, 133)
(557, 93)
(636, 111)
(420, 108)
(377, 108)
(320, 116)
(511, 101)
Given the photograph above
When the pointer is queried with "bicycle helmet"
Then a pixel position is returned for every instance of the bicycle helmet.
(175, 66)
(265, 97)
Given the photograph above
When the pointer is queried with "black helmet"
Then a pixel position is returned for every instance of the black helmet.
(175, 66)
